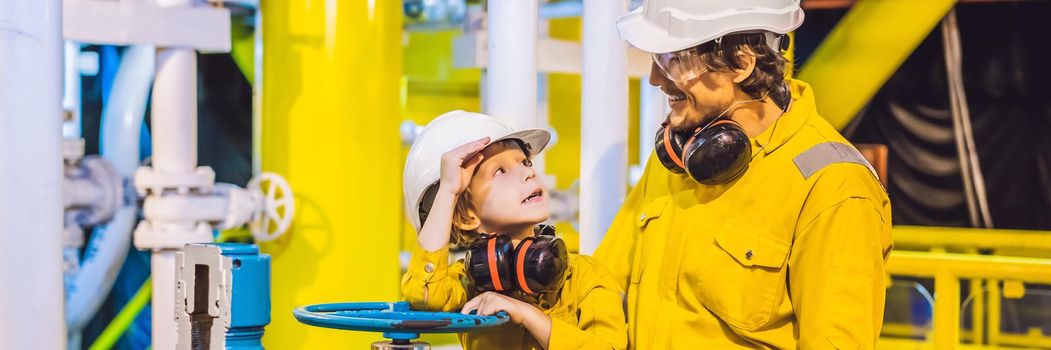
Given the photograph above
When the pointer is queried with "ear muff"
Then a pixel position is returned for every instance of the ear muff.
(668, 147)
(490, 264)
(537, 265)
(716, 154)
(541, 263)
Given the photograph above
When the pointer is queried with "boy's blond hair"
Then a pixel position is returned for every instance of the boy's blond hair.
(461, 214)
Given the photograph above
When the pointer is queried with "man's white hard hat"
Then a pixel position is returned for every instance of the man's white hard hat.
(662, 26)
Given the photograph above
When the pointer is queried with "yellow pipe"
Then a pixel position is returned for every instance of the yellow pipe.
(921, 264)
(925, 236)
(864, 49)
(329, 124)
(946, 311)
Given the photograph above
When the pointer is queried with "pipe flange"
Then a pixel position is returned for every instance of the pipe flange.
(111, 184)
(149, 180)
(151, 235)
(92, 191)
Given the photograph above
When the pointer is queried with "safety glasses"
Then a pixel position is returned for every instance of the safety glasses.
(680, 66)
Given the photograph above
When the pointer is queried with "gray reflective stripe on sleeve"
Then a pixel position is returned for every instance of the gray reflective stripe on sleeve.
(824, 154)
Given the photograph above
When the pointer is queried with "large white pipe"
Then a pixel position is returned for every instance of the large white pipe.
(31, 315)
(510, 80)
(604, 120)
(122, 117)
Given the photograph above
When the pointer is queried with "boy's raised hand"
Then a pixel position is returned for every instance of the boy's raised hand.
(457, 169)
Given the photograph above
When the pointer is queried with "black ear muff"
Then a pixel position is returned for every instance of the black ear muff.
(717, 154)
(668, 147)
(541, 263)
(490, 264)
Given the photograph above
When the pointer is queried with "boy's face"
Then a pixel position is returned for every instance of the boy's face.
(506, 192)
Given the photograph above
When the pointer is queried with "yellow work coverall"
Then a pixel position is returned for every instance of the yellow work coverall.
(587, 313)
(789, 255)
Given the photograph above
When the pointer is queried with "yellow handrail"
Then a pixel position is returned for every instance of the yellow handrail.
(921, 264)
(928, 236)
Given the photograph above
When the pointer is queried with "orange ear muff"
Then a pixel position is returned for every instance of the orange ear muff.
(520, 266)
(494, 274)
(671, 152)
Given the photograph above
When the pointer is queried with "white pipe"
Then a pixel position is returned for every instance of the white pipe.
(123, 114)
(71, 89)
(604, 120)
(31, 315)
(510, 88)
(175, 112)
(122, 118)
(162, 275)
(174, 121)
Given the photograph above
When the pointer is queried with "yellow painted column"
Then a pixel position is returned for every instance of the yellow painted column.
(329, 124)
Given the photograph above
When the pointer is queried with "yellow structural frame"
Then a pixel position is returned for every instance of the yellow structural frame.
(330, 120)
(948, 269)
(985, 274)
(864, 49)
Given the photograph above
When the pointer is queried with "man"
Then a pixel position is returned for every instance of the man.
(759, 225)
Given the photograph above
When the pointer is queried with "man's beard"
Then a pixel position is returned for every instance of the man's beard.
(692, 122)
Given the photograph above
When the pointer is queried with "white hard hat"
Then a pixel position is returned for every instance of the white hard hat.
(448, 131)
(661, 26)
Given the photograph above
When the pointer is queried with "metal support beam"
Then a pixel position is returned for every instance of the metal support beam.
(204, 28)
(864, 49)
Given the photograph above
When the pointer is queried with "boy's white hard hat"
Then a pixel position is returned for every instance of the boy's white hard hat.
(448, 131)
(662, 26)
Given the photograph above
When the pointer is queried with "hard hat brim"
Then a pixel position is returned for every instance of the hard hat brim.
(535, 140)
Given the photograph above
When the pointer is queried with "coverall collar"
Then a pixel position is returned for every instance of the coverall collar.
(801, 109)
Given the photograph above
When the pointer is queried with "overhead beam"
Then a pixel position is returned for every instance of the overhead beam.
(864, 49)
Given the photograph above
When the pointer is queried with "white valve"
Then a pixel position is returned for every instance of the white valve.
(275, 207)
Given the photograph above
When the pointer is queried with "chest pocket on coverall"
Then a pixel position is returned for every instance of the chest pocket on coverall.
(741, 275)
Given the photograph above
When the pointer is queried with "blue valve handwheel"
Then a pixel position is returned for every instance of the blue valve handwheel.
(395, 320)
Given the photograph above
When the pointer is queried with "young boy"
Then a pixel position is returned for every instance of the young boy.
(469, 181)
